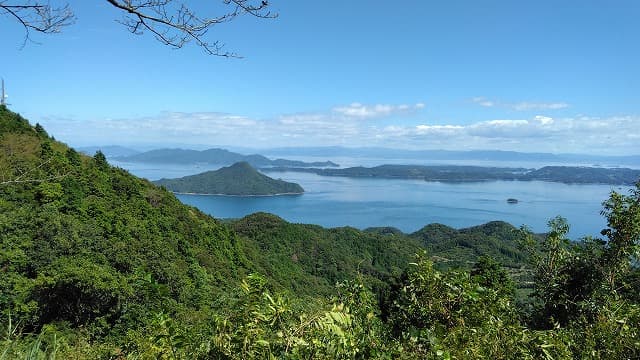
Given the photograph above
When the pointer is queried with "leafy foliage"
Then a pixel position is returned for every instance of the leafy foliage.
(79, 238)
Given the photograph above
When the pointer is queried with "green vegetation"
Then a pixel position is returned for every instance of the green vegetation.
(214, 156)
(310, 260)
(454, 173)
(462, 248)
(96, 263)
(86, 243)
(237, 179)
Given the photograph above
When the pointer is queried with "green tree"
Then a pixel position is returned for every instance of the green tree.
(490, 274)
(623, 235)
(100, 160)
(584, 281)
(41, 131)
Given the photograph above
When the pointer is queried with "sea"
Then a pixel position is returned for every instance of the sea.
(407, 205)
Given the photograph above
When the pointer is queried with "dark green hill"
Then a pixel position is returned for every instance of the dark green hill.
(385, 230)
(214, 156)
(461, 248)
(311, 259)
(237, 179)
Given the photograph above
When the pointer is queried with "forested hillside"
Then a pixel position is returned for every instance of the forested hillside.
(90, 244)
(461, 248)
(310, 260)
(96, 263)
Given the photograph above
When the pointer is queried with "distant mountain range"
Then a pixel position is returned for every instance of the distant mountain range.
(220, 156)
(491, 155)
(214, 156)
(454, 173)
(237, 179)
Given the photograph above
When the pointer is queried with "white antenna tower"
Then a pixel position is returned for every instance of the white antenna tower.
(2, 99)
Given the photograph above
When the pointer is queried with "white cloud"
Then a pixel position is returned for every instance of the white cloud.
(483, 102)
(525, 106)
(358, 110)
(612, 135)
(438, 129)
(520, 106)
(543, 120)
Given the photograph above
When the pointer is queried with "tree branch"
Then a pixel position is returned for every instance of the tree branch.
(182, 25)
(38, 16)
(172, 22)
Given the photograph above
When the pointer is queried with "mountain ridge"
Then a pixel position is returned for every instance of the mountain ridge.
(216, 156)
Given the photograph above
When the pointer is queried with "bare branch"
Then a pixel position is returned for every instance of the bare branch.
(24, 176)
(172, 22)
(176, 25)
(38, 16)
(14, 181)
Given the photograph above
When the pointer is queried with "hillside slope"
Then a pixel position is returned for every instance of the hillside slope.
(83, 241)
(310, 259)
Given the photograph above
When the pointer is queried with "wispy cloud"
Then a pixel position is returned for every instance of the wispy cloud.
(611, 135)
(524, 106)
(357, 110)
(520, 106)
(483, 101)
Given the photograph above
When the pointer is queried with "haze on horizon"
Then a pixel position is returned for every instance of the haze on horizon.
(461, 75)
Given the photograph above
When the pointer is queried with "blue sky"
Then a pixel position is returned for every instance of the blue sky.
(544, 76)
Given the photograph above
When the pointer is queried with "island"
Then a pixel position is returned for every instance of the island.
(457, 173)
(239, 179)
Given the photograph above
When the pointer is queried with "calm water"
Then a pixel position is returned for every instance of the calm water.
(406, 204)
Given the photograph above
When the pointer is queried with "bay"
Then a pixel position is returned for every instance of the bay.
(405, 204)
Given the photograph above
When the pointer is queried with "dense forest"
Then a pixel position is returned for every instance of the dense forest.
(238, 179)
(96, 263)
(459, 173)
